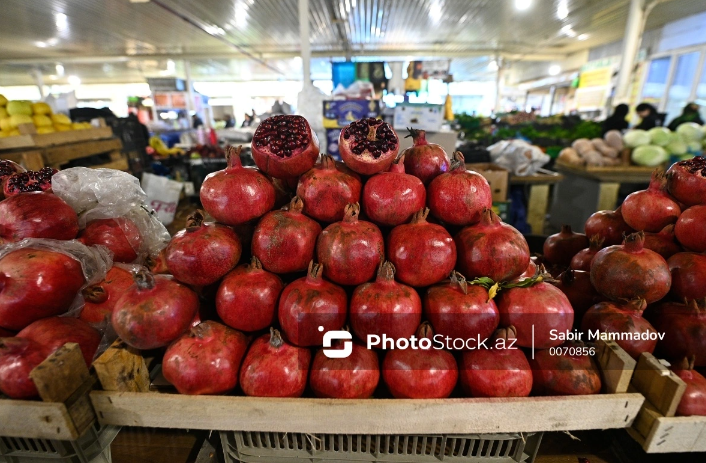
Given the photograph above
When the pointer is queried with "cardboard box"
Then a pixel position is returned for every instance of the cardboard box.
(340, 113)
(427, 117)
(497, 176)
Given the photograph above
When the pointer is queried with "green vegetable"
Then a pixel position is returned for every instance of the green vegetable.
(635, 138)
(649, 155)
(677, 147)
(691, 131)
(660, 136)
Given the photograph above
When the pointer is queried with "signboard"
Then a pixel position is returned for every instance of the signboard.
(166, 84)
(596, 78)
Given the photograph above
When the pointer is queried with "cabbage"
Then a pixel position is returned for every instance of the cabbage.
(694, 147)
(691, 131)
(685, 157)
(677, 147)
(635, 138)
(649, 155)
(660, 136)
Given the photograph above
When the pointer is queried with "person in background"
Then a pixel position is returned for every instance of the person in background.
(247, 121)
(617, 120)
(690, 113)
(196, 121)
(649, 115)
(230, 122)
(132, 117)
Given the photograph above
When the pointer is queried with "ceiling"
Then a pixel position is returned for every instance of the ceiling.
(124, 40)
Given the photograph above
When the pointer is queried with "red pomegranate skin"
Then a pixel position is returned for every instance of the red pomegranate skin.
(7, 168)
(419, 373)
(385, 307)
(686, 181)
(424, 160)
(154, 311)
(576, 286)
(309, 303)
(37, 215)
(688, 271)
(621, 317)
(368, 145)
(54, 332)
(629, 271)
(423, 253)
(350, 250)
(285, 146)
(36, 284)
(541, 305)
(564, 374)
(206, 360)
(459, 196)
(285, 240)
(561, 247)
(652, 209)
(663, 242)
(101, 297)
(353, 377)
(684, 328)
(693, 402)
(609, 225)
(391, 198)
(18, 357)
(491, 249)
(237, 194)
(461, 311)
(202, 253)
(120, 235)
(247, 297)
(6, 333)
(502, 370)
(274, 368)
(582, 259)
(327, 188)
(157, 264)
(690, 229)
(529, 272)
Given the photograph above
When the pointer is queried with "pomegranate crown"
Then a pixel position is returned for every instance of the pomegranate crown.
(233, 156)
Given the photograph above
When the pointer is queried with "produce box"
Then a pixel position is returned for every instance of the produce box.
(496, 176)
(656, 428)
(502, 209)
(427, 117)
(340, 113)
(332, 143)
(35, 140)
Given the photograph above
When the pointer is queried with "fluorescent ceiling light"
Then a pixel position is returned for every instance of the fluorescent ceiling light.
(523, 5)
(583, 37)
(562, 10)
(554, 70)
(74, 80)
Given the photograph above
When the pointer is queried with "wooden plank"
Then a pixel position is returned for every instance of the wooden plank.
(60, 374)
(18, 141)
(121, 164)
(122, 368)
(542, 176)
(660, 386)
(616, 367)
(537, 206)
(620, 174)
(371, 416)
(72, 136)
(36, 420)
(646, 419)
(676, 435)
(65, 153)
(32, 160)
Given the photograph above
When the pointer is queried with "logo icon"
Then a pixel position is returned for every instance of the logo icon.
(340, 335)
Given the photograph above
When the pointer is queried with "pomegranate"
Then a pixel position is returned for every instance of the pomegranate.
(652, 209)
(461, 311)
(423, 373)
(274, 368)
(205, 360)
(353, 377)
(529, 272)
(423, 253)
(7, 168)
(310, 307)
(154, 311)
(623, 317)
(157, 264)
(368, 146)
(693, 402)
(684, 328)
(18, 357)
(237, 194)
(203, 252)
(6, 333)
(492, 249)
(391, 198)
(54, 332)
(690, 229)
(629, 271)
(541, 307)
(327, 188)
(101, 297)
(284, 240)
(120, 235)
(609, 225)
(247, 297)
(285, 146)
(36, 283)
(688, 275)
(561, 247)
(37, 215)
(424, 160)
(576, 286)
(686, 181)
(351, 250)
(459, 196)
(663, 242)
(582, 259)
(385, 307)
(24, 182)
(569, 373)
(502, 370)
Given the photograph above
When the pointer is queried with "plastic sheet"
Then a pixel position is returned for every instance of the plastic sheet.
(518, 156)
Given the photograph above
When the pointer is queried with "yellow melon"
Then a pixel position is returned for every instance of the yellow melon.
(62, 127)
(41, 108)
(62, 119)
(45, 129)
(18, 119)
(19, 108)
(5, 124)
(40, 120)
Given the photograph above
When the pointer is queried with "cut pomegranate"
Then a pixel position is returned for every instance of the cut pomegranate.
(7, 168)
(285, 146)
(23, 182)
(368, 146)
(686, 181)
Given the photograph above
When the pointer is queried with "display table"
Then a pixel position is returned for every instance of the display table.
(538, 202)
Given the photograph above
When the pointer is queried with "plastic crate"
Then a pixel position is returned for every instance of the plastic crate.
(277, 447)
(92, 447)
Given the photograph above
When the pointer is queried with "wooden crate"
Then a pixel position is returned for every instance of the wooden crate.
(626, 174)
(129, 404)
(656, 428)
(65, 412)
(31, 139)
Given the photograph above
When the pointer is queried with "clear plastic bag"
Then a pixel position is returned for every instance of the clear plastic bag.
(518, 156)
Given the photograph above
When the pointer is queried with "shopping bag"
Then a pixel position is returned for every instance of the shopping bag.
(162, 196)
